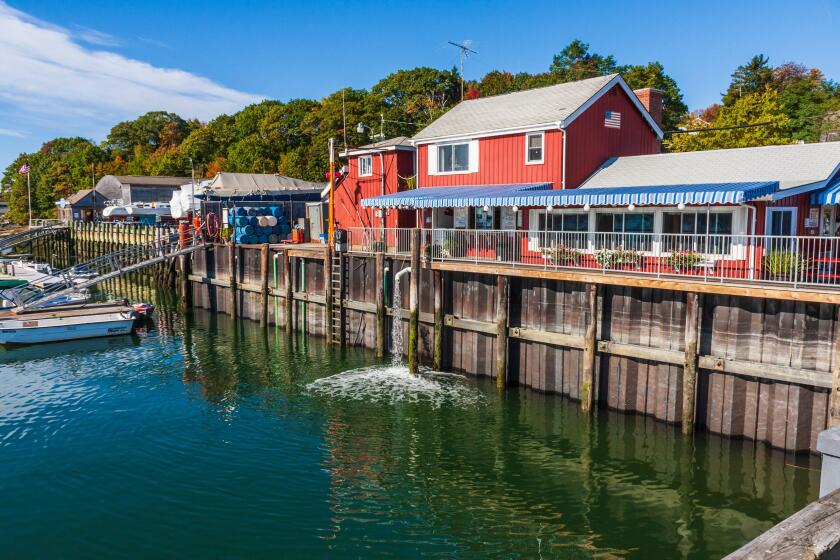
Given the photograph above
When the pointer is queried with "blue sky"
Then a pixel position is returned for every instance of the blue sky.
(76, 68)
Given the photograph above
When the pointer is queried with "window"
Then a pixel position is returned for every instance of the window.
(636, 226)
(534, 147)
(686, 231)
(453, 158)
(484, 220)
(573, 228)
(365, 166)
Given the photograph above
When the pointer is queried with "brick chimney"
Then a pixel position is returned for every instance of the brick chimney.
(651, 99)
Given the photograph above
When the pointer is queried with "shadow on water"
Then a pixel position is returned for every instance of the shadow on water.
(205, 436)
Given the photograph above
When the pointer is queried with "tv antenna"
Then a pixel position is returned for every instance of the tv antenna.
(465, 52)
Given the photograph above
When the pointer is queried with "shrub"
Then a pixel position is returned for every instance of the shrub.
(683, 260)
(784, 263)
(561, 255)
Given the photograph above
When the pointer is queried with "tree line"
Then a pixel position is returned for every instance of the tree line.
(290, 137)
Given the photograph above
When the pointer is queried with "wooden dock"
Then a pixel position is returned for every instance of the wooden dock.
(760, 361)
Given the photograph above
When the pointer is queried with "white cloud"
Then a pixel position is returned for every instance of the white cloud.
(12, 133)
(95, 37)
(46, 70)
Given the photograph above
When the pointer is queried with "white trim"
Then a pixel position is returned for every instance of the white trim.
(633, 99)
(793, 223)
(366, 151)
(486, 133)
(528, 135)
(370, 167)
(472, 157)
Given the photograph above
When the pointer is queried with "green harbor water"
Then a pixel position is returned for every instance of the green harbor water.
(206, 438)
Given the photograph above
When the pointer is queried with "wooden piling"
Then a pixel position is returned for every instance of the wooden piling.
(689, 384)
(185, 285)
(380, 304)
(287, 290)
(414, 303)
(587, 377)
(437, 352)
(328, 296)
(232, 267)
(502, 301)
(264, 274)
(834, 397)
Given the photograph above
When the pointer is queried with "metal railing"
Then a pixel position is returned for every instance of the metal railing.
(791, 260)
(89, 273)
(46, 222)
(392, 241)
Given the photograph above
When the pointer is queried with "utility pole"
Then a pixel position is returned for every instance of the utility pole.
(331, 230)
(465, 50)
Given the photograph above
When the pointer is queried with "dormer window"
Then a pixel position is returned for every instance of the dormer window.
(365, 166)
(534, 147)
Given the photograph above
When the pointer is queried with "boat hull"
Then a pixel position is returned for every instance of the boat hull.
(24, 332)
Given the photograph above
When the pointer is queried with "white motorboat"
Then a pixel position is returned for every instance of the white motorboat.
(68, 323)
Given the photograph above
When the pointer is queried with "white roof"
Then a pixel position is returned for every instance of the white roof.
(791, 165)
(240, 184)
(533, 108)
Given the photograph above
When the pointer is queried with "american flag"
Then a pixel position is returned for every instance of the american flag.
(24, 169)
(612, 119)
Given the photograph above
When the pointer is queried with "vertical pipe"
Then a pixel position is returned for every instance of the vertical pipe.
(264, 271)
(287, 289)
(414, 315)
(232, 268)
(502, 304)
(328, 295)
(587, 378)
(692, 330)
(438, 340)
(380, 304)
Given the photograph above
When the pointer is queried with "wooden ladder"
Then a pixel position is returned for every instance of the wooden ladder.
(339, 283)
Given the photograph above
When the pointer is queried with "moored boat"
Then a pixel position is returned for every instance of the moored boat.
(70, 323)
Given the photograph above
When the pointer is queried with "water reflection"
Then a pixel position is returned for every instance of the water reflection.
(203, 436)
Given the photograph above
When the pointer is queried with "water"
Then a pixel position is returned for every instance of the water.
(207, 438)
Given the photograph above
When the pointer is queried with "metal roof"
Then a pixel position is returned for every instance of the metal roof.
(151, 180)
(791, 166)
(395, 143)
(452, 197)
(78, 196)
(533, 108)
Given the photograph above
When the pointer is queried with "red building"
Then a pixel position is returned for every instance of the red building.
(375, 170)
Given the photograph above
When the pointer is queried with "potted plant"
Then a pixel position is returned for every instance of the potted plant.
(683, 260)
(562, 255)
(784, 265)
(607, 258)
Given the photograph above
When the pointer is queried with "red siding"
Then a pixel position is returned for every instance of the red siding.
(802, 204)
(589, 143)
(349, 195)
(501, 160)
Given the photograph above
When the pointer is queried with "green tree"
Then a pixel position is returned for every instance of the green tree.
(148, 132)
(575, 62)
(752, 77)
(652, 75)
(419, 96)
(751, 109)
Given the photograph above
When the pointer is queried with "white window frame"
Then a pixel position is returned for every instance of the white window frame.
(794, 224)
(472, 157)
(541, 161)
(369, 159)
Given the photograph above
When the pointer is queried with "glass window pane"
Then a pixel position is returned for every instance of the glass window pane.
(701, 223)
(460, 157)
(604, 223)
(671, 222)
(689, 222)
(445, 158)
(638, 223)
(722, 223)
(535, 141)
(618, 222)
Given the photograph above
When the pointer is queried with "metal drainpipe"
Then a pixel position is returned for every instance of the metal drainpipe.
(382, 174)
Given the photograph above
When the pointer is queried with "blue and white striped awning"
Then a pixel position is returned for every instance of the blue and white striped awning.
(456, 197)
(829, 195)
(540, 194)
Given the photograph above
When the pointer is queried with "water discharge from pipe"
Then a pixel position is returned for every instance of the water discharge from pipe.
(396, 325)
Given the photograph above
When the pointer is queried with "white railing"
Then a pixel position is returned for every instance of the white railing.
(791, 260)
(393, 241)
(44, 222)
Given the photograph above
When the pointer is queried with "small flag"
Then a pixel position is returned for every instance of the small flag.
(612, 119)
(24, 169)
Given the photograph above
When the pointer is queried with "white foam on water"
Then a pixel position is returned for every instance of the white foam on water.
(394, 384)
